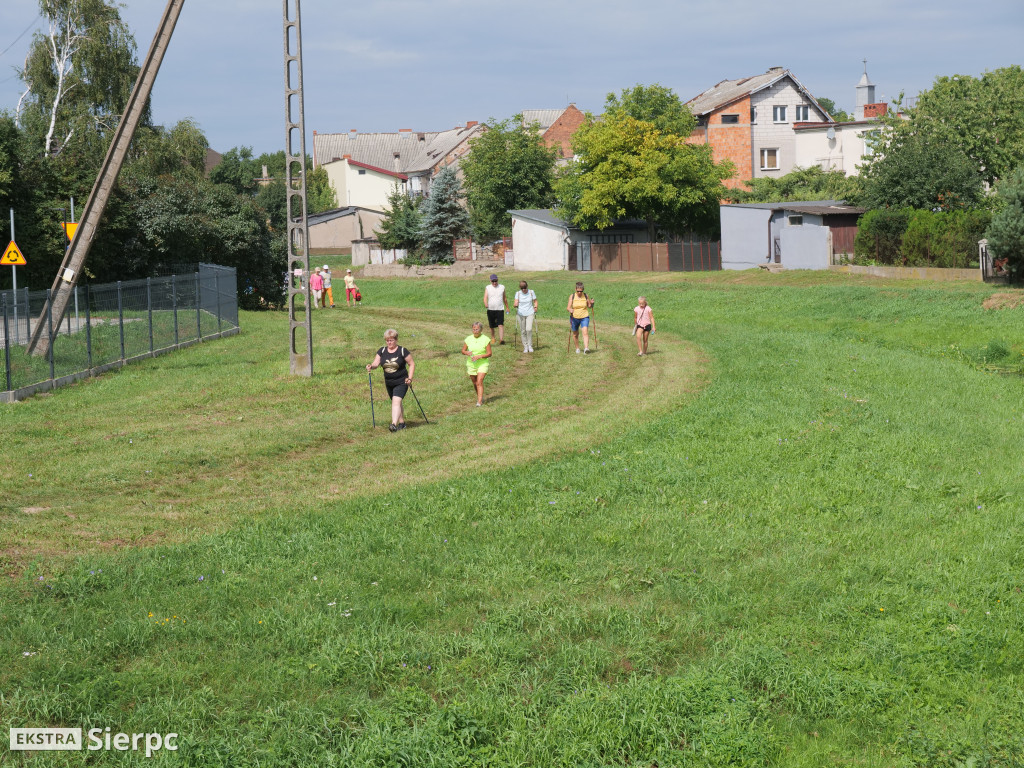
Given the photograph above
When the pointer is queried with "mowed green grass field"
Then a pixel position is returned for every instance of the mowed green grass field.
(791, 536)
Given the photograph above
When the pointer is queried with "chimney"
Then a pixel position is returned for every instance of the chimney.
(346, 157)
(405, 133)
(353, 133)
(775, 69)
(471, 123)
(398, 160)
(875, 110)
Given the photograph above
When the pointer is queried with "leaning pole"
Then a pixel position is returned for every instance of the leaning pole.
(74, 259)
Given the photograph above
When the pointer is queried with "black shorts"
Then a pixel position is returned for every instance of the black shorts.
(398, 389)
(495, 317)
(645, 327)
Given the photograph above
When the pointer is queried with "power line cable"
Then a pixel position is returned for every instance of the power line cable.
(31, 24)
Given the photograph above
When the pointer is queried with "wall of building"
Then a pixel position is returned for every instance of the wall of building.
(537, 246)
(729, 141)
(745, 236)
(806, 247)
(369, 189)
(559, 134)
(768, 134)
(340, 232)
(843, 153)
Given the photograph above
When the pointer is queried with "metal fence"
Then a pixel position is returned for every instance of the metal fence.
(112, 324)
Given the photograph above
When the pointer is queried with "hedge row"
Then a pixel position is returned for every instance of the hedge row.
(917, 238)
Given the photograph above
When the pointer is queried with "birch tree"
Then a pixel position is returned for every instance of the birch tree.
(78, 73)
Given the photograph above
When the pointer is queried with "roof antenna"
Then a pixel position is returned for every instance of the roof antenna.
(865, 66)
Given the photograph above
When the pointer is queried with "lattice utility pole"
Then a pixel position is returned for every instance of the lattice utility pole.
(74, 259)
(300, 319)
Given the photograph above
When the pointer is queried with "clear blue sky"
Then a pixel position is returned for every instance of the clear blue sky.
(381, 65)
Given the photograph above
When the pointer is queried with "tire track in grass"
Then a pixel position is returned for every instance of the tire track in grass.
(295, 443)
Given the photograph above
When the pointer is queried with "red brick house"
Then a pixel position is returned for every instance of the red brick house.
(750, 121)
(557, 126)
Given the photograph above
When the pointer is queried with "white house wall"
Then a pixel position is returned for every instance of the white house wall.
(369, 189)
(843, 153)
(745, 237)
(767, 134)
(537, 247)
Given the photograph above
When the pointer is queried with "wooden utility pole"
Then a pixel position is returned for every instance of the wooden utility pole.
(74, 259)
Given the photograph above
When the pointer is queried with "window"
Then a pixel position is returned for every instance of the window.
(796, 221)
(779, 114)
(803, 113)
(869, 137)
(730, 119)
(753, 114)
(770, 159)
(362, 171)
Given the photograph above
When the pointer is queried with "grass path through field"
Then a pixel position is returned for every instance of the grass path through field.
(192, 444)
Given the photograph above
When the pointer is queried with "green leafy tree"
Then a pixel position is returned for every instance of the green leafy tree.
(400, 227)
(444, 219)
(508, 167)
(837, 114)
(1006, 232)
(320, 194)
(982, 117)
(244, 173)
(909, 169)
(78, 75)
(239, 169)
(962, 132)
(801, 184)
(9, 139)
(159, 222)
(636, 163)
(181, 150)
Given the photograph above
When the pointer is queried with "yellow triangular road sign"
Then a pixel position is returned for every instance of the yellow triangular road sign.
(69, 229)
(12, 256)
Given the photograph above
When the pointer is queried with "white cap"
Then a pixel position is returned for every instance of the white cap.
(326, 267)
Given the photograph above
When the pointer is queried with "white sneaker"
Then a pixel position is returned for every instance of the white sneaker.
(586, 350)
(530, 349)
(577, 350)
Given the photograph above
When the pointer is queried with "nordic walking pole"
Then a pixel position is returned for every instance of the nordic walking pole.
(568, 343)
(372, 414)
(418, 403)
(536, 329)
(515, 339)
(593, 322)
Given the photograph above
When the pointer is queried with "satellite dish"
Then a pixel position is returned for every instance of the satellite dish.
(830, 133)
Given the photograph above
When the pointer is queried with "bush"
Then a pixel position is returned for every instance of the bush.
(921, 238)
(879, 235)
(1006, 232)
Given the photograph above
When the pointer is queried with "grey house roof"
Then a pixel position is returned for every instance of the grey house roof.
(728, 91)
(541, 216)
(548, 217)
(406, 152)
(336, 213)
(815, 207)
(545, 117)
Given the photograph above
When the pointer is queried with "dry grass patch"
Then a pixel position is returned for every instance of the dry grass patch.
(1008, 300)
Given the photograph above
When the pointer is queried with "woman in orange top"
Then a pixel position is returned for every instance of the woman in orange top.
(579, 317)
